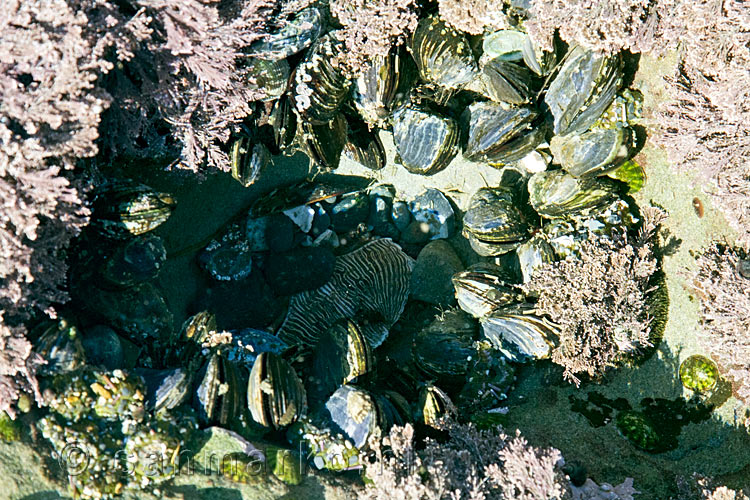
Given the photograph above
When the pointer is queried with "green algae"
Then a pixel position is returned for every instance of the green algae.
(699, 373)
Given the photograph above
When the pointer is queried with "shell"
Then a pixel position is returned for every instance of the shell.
(341, 356)
(319, 88)
(534, 254)
(122, 209)
(507, 82)
(165, 389)
(557, 194)
(519, 334)
(592, 153)
(373, 280)
(498, 133)
(323, 143)
(426, 142)
(484, 288)
(506, 45)
(268, 77)
(283, 121)
(275, 394)
(376, 88)
(365, 147)
(493, 216)
(248, 160)
(293, 37)
(583, 89)
(435, 407)
(219, 395)
(699, 373)
(442, 54)
(60, 345)
(443, 349)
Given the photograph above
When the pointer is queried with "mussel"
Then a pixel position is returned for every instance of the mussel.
(219, 396)
(494, 222)
(592, 153)
(483, 288)
(248, 159)
(275, 394)
(293, 37)
(426, 142)
(442, 54)
(517, 332)
(122, 209)
(556, 194)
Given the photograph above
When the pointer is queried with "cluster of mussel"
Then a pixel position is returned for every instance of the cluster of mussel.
(333, 373)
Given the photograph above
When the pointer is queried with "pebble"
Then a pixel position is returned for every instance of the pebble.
(103, 347)
(255, 233)
(350, 211)
(279, 233)
(431, 278)
(416, 233)
(400, 215)
(433, 208)
(321, 222)
(302, 216)
(380, 218)
(300, 269)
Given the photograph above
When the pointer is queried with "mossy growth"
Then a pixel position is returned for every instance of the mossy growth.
(10, 430)
(699, 373)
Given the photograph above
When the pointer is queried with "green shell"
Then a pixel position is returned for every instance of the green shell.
(698, 373)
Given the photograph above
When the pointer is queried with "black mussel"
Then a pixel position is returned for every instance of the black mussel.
(592, 153)
(137, 261)
(507, 82)
(342, 355)
(444, 348)
(426, 142)
(556, 194)
(324, 143)
(583, 89)
(283, 121)
(122, 209)
(442, 54)
(219, 397)
(435, 407)
(320, 88)
(269, 78)
(60, 346)
(498, 133)
(365, 147)
(165, 389)
(495, 219)
(248, 159)
(483, 288)
(275, 394)
(294, 36)
(376, 89)
(517, 332)
(534, 254)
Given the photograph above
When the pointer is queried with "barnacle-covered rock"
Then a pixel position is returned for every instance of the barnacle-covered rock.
(328, 450)
(294, 36)
(354, 413)
(119, 396)
(121, 209)
(320, 88)
(583, 89)
(519, 333)
(138, 260)
(483, 288)
(592, 153)
(60, 346)
(556, 194)
(373, 280)
(442, 54)
(495, 219)
(275, 394)
(70, 395)
(228, 258)
(488, 380)
(426, 142)
(499, 134)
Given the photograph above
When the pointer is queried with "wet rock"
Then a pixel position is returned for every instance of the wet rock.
(255, 233)
(136, 261)
(300, 269)
(400, 215)
(431, 278)
(328, 239)
(301, 216)
(279, 233)
(103, 347)
(350, 211)
(228, 260)
(246, 303)
(380, 217)
(434, 209)
(416, 233)
(321, 222)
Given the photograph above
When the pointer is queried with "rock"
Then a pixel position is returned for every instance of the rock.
(431, 278)
(279, 233)
(255, 233)
(433, 208)
(136, 261)
(328, 239)
(350, 211)
(300, 269)
(400, 215)
(321, 222)
(379, 220)
(103, 347)
(228, 260)
(416, 233)
(301, 216)
(249, 303)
